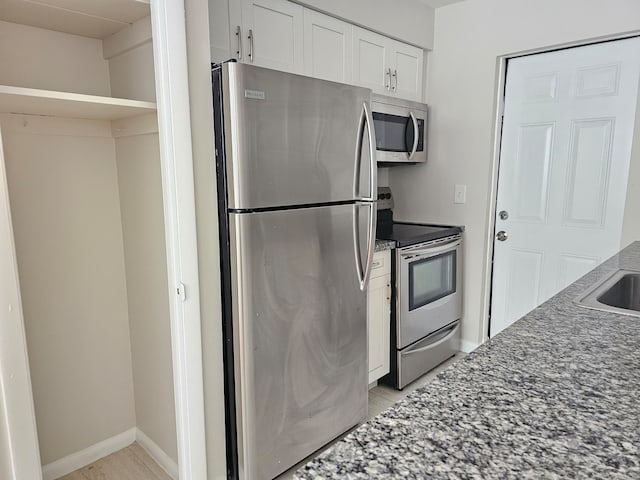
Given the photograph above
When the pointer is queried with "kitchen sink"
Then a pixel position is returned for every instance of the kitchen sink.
(619, 293)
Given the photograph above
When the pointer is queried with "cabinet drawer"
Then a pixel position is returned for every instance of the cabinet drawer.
(381, 263)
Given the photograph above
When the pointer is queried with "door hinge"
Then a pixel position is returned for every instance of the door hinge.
(181, 291)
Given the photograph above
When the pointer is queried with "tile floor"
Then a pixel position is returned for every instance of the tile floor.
(380, 398)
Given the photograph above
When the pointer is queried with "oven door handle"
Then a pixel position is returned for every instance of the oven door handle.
(416, 133)
(446, 335)
(428, 251)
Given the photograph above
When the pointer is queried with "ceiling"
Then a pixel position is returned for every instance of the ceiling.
(89, 18)
(439, 3)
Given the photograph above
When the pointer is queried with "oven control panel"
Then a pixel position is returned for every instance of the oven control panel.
(385, 199)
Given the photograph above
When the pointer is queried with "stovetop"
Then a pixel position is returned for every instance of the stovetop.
(411, 233)
(406, 233)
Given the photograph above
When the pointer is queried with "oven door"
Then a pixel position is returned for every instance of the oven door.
(429, 294)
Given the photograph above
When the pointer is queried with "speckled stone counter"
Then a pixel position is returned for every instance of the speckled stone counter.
(554, 396)
(384, 245)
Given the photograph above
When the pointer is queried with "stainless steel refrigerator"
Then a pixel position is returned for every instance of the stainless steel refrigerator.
(296, 167)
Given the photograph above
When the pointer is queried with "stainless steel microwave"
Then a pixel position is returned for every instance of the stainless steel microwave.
(401, 130)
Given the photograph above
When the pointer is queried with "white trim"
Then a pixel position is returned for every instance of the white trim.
(159, 455)
(174, 125)
(16, 397)
(467, 346)
(85, 457)
(485, 306)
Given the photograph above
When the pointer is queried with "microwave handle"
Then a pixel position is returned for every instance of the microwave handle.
(416, 132)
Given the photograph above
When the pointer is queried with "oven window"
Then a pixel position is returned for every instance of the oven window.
(431, 279)
(394, 133)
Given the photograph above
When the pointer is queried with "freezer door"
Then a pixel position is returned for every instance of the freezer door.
(294, 140)
(300, 334)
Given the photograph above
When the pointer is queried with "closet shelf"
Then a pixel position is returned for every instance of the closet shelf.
(70, 105)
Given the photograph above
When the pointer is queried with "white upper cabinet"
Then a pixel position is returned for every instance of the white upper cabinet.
(370, 60)
(405, 62)
(273, 34)
(267, 33)
(327, 47)
(387, 66)
(285, 36)
(222, 31)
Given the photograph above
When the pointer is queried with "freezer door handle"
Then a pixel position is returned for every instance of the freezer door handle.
(364, 271)
(366, 122)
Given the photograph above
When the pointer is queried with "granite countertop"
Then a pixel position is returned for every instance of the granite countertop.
(554, 396)
(385, 245)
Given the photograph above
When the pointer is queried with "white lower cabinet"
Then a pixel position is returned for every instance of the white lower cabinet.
(379, 315)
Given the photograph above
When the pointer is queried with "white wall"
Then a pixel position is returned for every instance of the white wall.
(140, 187)
(66, 218)
(462, 78)
(409, 21)
(40, 58)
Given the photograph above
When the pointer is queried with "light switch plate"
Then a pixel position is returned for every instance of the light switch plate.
(460, 194)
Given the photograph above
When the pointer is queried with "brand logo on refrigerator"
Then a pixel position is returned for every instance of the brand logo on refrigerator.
(255, 94)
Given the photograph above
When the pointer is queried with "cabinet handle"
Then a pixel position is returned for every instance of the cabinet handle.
(394, 87)
(250, 37)
(239, 40)
(388, 75)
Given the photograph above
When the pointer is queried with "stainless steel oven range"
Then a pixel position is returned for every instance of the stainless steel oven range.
(428, 293)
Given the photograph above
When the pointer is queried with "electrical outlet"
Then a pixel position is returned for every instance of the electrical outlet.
(460, 194)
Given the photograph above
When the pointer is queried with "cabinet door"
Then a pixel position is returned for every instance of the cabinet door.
(370, 53)
(327, 47)
(379, 317)
(273, 34)
(222, 31)
(406, 62)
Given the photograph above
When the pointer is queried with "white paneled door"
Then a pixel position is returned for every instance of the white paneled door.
(564, 162)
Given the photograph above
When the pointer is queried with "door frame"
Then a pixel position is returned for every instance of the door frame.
(174, 125)
(490, 221)
(15, 377)
(178, 186)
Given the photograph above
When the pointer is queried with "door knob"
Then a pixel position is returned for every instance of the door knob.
(502, 235)
(503, 215)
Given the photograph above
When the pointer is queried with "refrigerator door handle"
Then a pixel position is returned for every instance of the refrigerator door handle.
(366, 121)
(364, 271)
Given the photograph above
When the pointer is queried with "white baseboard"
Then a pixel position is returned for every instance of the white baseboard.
(80, 459)
(159, 455)
(468, 347)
